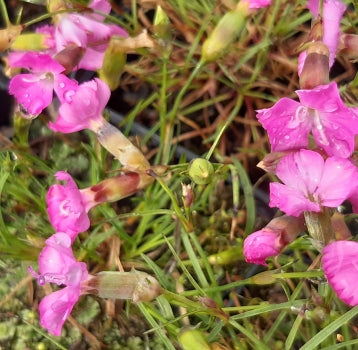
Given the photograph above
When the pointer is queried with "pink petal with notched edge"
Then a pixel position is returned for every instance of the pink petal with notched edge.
(83, 108)
(261, 245)
(33, 92)
(340, 265)
(286, 125)
(290, 201)
(309, 181)
(339, 178)
(56, 307)
(334, 125)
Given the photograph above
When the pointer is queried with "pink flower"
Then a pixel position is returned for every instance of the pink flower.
(272, 239)
(332, 15)
(310, 182)
(257, 4)
(58, 265)
(320, 110)
(83, 107)
(67, 206)
(87, 31)
(34, 90)
(261, 245)
(340, 265)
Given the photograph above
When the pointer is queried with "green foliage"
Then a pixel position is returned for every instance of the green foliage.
(196, 253)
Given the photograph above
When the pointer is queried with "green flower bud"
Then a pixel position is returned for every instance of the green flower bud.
(161, 28)
(137, 286)
(201, 171)
(225, 32)
(228, 256)
(30, 42)
(193, 339)
(113, 63)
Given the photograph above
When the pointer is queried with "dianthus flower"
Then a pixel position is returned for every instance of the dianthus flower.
(310, 182)
(34, 90)
(58, 265)
(87, 31)
(68, 206)
(83, 107)
(320, 111)
(339, 262)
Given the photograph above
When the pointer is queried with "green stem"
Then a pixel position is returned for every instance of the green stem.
(186, 224)
(227, 123)
(5, 14)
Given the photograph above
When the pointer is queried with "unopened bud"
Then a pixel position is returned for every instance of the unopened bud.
(30, 42)
(263, 278)
(226, 257)
(340, 227)
(188, 195)
(113, 63)
(70, 57)
(348, 45)
(161, 24)
(315, 70)
(56, 5)
(137, 286)
(8, 36)
(225, 32)
(114, 188)
(201, 171)
(191, 339)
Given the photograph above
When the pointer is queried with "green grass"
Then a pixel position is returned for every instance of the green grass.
(195, 254)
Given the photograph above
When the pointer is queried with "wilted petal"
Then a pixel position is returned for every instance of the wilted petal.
(340, 265)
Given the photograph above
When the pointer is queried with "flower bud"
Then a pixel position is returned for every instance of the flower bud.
(270, 161)
(228, 256)
(30, 42)
(348, 45)
(201, 171)
(137, 286)
(8, 36)
(113, 63)
(191, 339)
(114, 188)
(315, 70)
(161, 24)
(188, 195)
(340, 228)
(263, 278)
(225, 32)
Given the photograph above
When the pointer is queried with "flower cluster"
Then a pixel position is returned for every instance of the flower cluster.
(78, 39)
(312, 141)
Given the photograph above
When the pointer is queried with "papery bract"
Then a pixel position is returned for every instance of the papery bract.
(340, 265)
(67, 207)
(321, 111)
(310, 182)
(83, 107)
(34, 90)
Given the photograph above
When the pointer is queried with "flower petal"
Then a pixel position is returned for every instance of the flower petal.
(340, 264)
